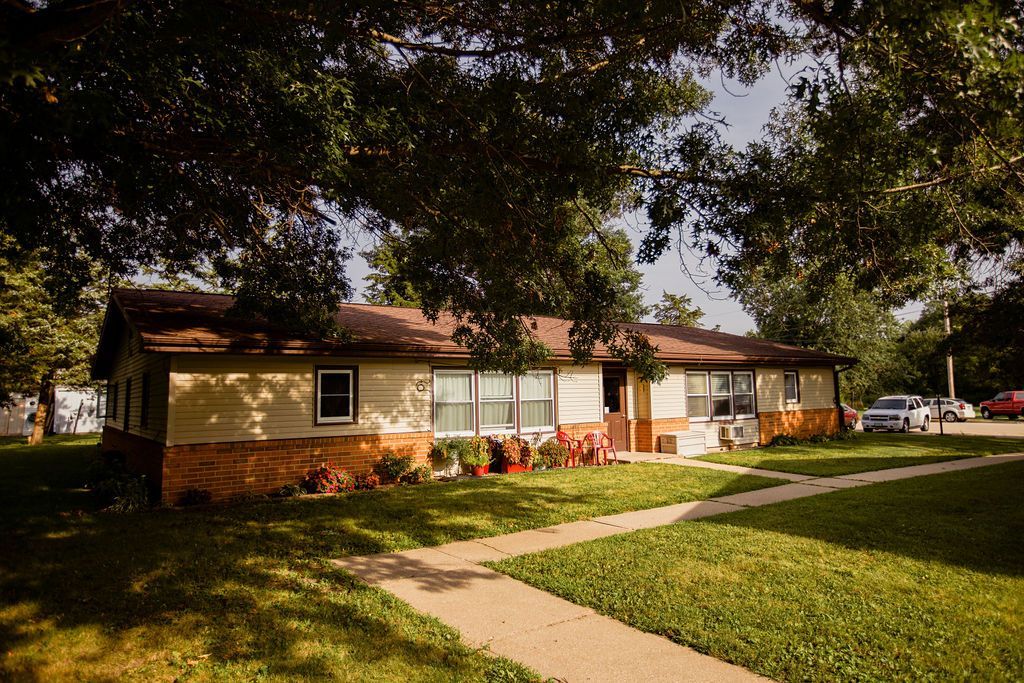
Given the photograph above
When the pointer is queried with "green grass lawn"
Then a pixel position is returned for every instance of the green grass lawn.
(866, 452)
(247, 592)
(920, 579)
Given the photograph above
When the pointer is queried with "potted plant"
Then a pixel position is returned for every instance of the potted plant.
(552, 454)
(444, 455)
(517, 456)
(477, 456)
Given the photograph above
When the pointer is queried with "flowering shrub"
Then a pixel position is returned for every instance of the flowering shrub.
(328, 479)
(367, 482)
(517, 451)
(391, 467)
(417, 475)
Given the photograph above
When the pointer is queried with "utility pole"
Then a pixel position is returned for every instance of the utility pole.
(949, 354)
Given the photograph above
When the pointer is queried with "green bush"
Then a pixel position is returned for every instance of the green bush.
(477, 453)
(116, 489)
(291, 491)
(447, 452)
(123, 492)
(417, 475)
(196, 497)
(552, 454)
(391, 467)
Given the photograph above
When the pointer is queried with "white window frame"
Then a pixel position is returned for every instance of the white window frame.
(519, 405)
(785, 386)
(706, 395)
(486, 430)
(472, 401)
(341, 419)
(712, 395)
(752, 394)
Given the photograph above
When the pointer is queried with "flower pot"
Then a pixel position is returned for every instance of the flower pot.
(509, 468)
(479, 470)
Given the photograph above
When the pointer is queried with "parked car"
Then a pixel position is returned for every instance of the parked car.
(953, 409)
(849, 416)
(896, 413)
(1009, 403)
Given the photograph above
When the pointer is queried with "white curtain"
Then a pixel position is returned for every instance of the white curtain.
(535, 385)
(450, 387)
(497, 414)
(742, 383)
(696, 383)
(453, 402)
(495, 385)
(453, 417)
(538, 414)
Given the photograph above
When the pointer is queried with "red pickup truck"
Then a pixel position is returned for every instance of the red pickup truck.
(1005, 403)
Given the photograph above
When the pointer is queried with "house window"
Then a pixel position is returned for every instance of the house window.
(127, 402)
(720, 395)
(144, 402)
(497, 402)
(697, 396)
(743, 393)
(112, 401)
(336, 390)
(538, 401)
(792, 386)
(453, 402)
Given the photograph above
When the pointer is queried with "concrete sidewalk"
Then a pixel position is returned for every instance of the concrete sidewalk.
(558, 638)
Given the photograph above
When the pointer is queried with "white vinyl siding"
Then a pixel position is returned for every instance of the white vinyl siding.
(579, 394)
(219, 398)
(668, 398)
(131, 363)
(816, 389)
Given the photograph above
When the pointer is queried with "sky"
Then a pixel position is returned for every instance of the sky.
(746, 111)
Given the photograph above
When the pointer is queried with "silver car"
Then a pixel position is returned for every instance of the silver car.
(953, 409)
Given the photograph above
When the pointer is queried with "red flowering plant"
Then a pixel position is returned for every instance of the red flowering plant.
(328, 479)
(517, 451)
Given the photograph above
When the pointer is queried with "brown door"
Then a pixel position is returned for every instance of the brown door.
(614, 402)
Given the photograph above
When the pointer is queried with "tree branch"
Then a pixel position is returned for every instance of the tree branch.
(942, 180)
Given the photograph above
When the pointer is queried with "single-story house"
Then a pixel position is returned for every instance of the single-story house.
(197, 399)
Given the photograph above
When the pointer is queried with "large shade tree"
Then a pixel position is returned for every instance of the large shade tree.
(252, 135)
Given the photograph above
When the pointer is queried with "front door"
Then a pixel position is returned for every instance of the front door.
(614, 402)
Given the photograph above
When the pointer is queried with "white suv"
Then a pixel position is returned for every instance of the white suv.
(896, 413)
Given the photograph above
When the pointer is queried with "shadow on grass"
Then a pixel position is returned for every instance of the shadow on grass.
(972, 519)
(250, 588)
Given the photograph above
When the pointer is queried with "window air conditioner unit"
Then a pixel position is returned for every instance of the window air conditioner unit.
(736, 434)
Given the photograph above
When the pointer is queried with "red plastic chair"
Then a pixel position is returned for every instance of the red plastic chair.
(575, 446)
(602, 443)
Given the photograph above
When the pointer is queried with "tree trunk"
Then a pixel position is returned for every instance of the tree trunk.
(42, 411)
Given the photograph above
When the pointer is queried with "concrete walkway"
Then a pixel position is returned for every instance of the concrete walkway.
(562, 640)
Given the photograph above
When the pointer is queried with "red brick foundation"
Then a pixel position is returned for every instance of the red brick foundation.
(645, 434)
(798, 423)
(230, 469)
(142, 455)
(581, 429)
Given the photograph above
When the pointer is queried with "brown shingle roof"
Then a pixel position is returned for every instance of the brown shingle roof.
(191, 322)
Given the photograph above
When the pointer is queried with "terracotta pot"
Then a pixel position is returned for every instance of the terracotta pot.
(479, 470)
